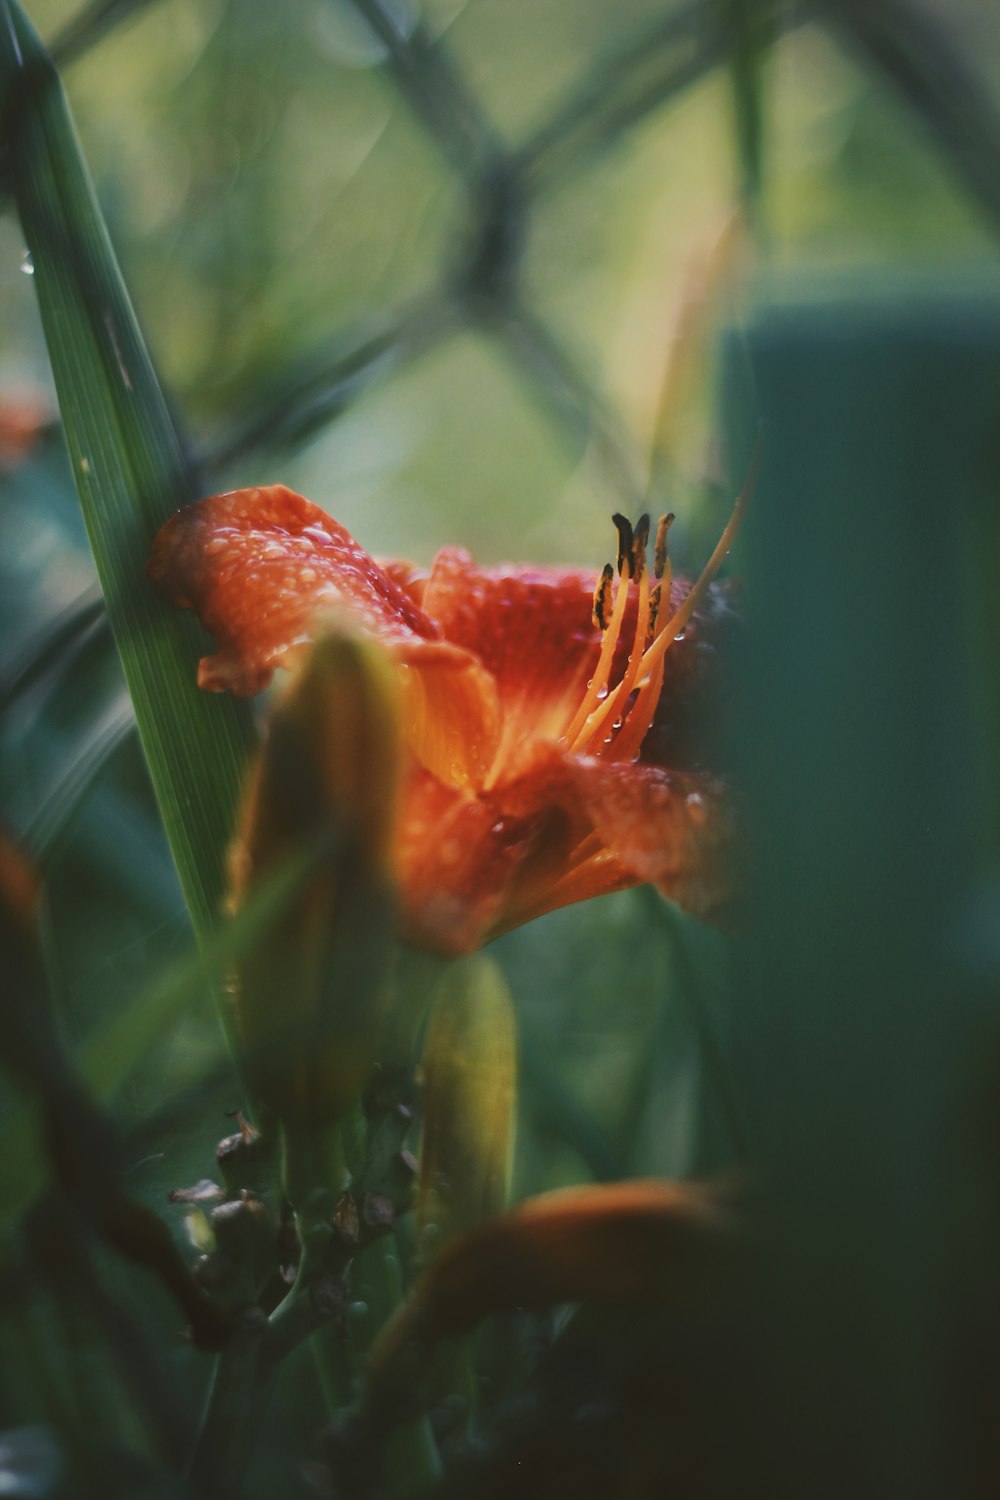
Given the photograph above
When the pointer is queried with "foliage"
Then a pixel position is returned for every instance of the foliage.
(421, 265)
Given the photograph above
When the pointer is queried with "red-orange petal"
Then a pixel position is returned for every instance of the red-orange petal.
(602, 827)
(531, 628)
(456, 858)
(257, 566)
(566, 829)
(674, 829)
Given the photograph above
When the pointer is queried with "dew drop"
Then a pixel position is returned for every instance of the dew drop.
(681, 634)
(27, 264)
(695, 805)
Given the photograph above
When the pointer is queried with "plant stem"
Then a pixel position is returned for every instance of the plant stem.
(223, 1448)
(410, 1457)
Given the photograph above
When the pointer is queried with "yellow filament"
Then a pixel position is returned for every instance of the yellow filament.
(665, 636)
(628, 743)
(599, 681)
(632, 671)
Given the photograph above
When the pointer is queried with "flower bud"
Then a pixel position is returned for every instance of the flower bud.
(469, 1070)
(309, 989)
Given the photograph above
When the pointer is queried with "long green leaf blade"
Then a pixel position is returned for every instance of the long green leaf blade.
(128, 464)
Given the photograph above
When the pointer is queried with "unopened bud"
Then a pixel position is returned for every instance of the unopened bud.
(327, 779)
(469, 1068)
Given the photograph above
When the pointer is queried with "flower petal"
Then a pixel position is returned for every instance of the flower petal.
(256, 566)
(450, 711)
(261, 566)
(602, 827)
(531, 628)
(455, 857)
(673, 828)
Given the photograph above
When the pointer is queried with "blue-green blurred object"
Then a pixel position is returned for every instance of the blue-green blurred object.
(868, 1018)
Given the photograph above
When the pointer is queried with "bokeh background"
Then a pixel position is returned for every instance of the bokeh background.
(484, 273)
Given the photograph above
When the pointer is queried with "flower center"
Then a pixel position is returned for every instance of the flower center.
(610, 722)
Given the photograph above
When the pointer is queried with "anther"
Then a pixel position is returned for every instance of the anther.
(602, 597)
(661, 550)
(640, 541)
(654, 609)
(625, 538)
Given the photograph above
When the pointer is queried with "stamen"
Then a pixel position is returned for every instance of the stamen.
(625, 538)
(602, 597)
(599, 682)
(628, 742)
(636, 726)
(640, 541)
(661, 552)
(639, 570)
(654, 611)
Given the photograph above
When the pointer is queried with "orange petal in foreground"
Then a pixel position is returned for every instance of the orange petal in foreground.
(546, 710)
(645, 1242)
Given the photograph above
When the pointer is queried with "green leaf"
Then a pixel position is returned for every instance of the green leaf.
(745, 61)
(109, 1057)
(128, 466)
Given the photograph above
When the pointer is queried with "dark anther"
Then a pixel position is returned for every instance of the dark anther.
(624, 528)
(660, 551)
(602, 597)
(640, 540)
(654, 608)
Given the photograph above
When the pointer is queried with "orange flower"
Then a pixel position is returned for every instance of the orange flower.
(539, 713)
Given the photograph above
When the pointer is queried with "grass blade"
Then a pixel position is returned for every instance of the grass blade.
(127, 462)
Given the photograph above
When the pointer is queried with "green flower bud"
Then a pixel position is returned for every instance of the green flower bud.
(309, 990)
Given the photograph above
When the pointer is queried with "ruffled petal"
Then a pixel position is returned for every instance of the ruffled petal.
(456, 858)
(451, 715)
(532, 630)
(675, 829)
(600, 827)
(256, 566)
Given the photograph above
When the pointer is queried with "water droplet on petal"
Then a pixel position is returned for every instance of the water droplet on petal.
(695, 804)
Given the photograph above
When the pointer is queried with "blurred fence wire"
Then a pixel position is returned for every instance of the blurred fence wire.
(481, 285)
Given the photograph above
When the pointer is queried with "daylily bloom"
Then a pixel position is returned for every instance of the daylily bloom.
(543, 717)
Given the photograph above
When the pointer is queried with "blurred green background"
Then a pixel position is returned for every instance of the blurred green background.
(346, 287)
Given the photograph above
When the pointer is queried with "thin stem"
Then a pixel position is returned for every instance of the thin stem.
(224, 1443)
